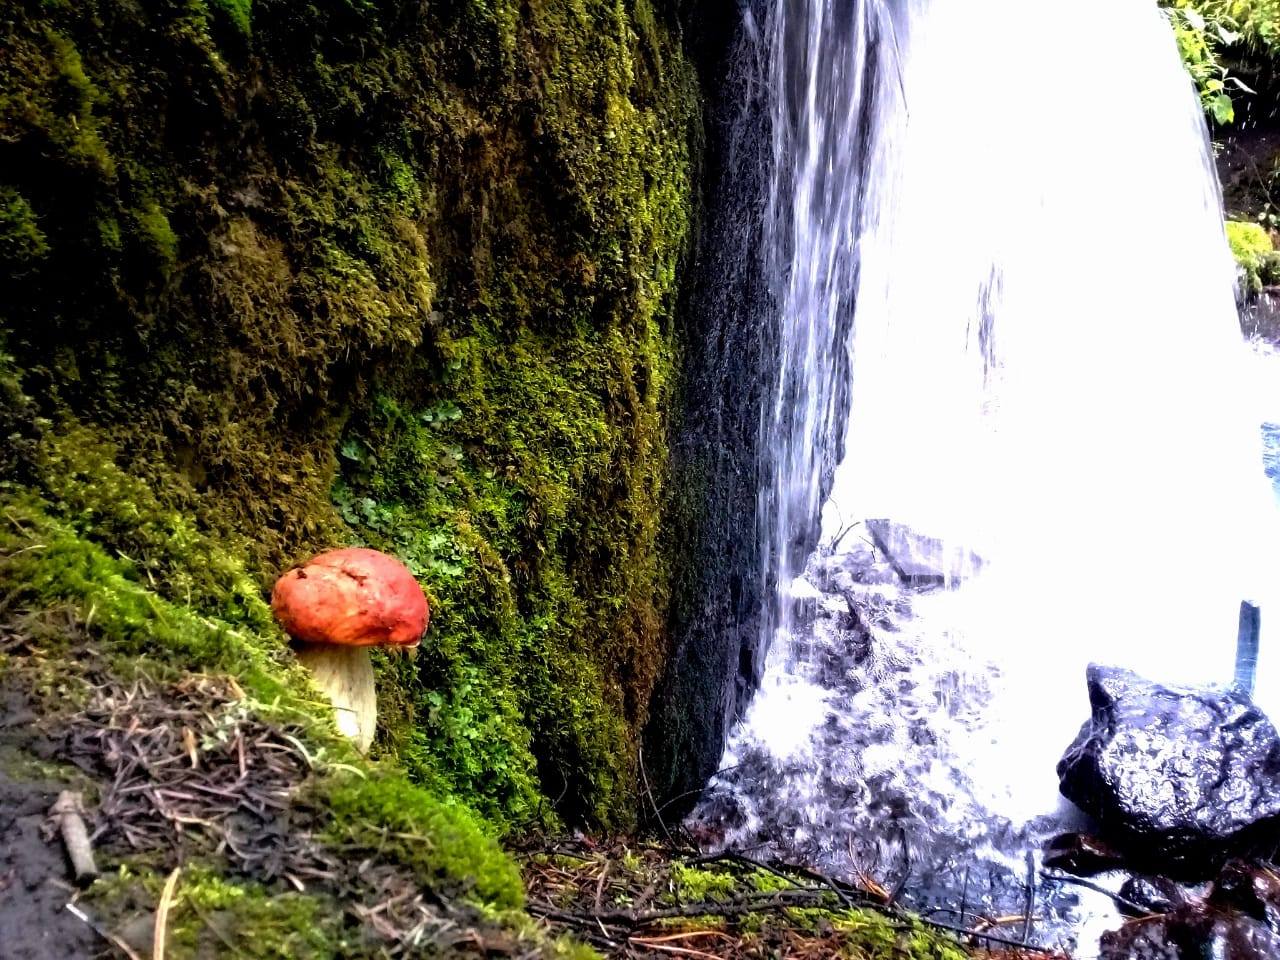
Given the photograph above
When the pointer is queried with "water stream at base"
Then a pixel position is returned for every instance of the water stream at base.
(996, 235)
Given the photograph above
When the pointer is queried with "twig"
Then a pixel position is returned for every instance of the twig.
(906, 874)
(780, 900)
(604, 877)
(980, 935)
(68, 810)
(835, 544)
(683, 935)
(162, 914)
(678, 951)
(691, 793)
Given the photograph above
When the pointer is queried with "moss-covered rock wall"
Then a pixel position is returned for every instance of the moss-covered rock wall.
(376, 271)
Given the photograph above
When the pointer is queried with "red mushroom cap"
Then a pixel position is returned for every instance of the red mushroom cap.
(352, 597)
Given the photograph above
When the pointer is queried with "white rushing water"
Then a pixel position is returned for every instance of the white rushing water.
(999, 221)
(1047, 360)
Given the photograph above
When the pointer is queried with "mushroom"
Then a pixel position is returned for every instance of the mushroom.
(335, 608)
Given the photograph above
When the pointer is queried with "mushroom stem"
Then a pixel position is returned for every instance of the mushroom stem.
(345, 674)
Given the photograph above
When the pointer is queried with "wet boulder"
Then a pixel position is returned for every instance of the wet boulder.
(1192, 931)
(1143, 896)
(1182, 777)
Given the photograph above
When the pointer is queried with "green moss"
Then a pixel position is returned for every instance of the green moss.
(765, 881)
(46, 563)
(696, 886)
(1253, 249)
(155, 227)
(871, 936)
(239, 11)
(245, 917)
(521, 472)
(441, 841)
(21, 239)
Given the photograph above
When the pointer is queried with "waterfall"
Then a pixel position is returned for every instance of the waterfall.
(1048, 354)
(1007, 313)
(824, 66)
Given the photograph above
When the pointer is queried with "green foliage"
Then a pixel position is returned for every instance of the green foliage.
(1255, 23)
(1207, 30)
(1255, 253)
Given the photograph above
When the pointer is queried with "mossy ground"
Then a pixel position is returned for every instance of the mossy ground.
(637, 900)
(57, 660)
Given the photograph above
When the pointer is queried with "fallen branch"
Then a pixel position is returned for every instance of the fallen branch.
(630, 919)
(595, 923)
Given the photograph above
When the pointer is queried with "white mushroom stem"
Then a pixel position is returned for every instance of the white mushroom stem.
(345, 674)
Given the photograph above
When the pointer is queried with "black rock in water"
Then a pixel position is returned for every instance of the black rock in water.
(1181, 777)
(1151, 895)
(1082, 855)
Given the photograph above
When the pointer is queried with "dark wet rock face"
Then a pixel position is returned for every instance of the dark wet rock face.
(1176, 776)
(729, 368)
